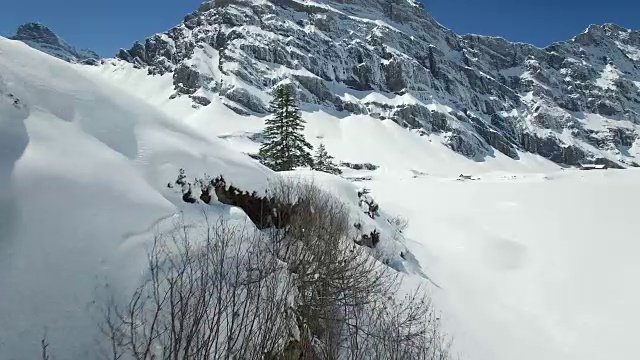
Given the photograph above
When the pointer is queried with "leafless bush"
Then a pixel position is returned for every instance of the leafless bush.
(346, 302)
(303, 290)
(406, 328)
(333, 274)
(208, 295)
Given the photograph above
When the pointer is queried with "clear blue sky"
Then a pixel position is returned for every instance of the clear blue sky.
(106, 26)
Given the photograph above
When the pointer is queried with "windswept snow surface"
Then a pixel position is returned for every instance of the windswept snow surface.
(530, 266)
(531, 262)
(83, 170)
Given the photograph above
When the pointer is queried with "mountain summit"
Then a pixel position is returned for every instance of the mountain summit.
(40, 37)
(573, 102)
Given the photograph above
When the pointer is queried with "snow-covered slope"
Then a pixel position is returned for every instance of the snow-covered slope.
(84, 169)
(40, 37)
(531, 261)
(572, 102)
(350, 138)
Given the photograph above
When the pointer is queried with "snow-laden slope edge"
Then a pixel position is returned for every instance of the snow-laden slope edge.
(83, 187)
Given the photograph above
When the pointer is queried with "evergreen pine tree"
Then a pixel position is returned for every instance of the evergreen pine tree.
(322, 161)
(285, 147)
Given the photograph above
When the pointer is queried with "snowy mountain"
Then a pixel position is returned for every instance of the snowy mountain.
(526, 260)
(40, 37)
(573, 102)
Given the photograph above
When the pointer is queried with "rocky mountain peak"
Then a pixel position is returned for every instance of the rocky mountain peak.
(573, 102)
(36, 32)
(42, 38)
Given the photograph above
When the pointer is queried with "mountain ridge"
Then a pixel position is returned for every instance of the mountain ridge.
(518, 99)
(40, 37)
(573, 102)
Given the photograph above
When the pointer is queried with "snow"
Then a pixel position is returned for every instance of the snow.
(376, 97)
(531, 262)
(608, 77)
(631, 51)
(593, 166)
(598, 122)
(85, 168)
(530, 267)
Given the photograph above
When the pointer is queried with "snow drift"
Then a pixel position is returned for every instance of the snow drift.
(82, 170)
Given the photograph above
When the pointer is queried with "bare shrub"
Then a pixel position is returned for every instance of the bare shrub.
(301, 290)
(333, 274)
(406, 328)
(208, 295)
(44, 346)
(346, 302)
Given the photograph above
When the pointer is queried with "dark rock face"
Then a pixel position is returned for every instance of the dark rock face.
(42, 38)
(571, 102)
(263, 211)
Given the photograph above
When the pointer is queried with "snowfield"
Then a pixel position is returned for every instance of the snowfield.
(530, 266)
(529, 261)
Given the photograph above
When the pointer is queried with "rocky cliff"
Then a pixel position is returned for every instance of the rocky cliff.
(42, 38)
(573, 102)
